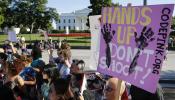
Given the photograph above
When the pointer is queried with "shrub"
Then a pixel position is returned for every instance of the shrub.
(71, 31)
(57, 31)
(23, 30)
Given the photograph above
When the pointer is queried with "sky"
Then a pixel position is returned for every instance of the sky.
(67, 6)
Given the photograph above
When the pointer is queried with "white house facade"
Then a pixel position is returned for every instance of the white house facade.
(74, 21)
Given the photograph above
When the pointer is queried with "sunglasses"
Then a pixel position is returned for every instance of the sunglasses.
(108, 89)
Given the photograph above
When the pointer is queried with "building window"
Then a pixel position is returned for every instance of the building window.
(59, 27)
(81, 20)
(69, 27)
(64, 27)
(64, 21)
(74, 20)
(69, 20)
(59, 21)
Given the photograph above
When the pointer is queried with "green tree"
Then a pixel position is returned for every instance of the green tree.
(96, 7)
(4, 4)
(46, 19)
(30, 13)
(115, 4)
(173, 23)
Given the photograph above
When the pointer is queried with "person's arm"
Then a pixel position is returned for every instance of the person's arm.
(36, 69)
(81, 98)
(30, 82)
(70, 94)
(68, 64)
(51, 58)
(20, 80)
(84, 83)
(13, 49)
(25, 45)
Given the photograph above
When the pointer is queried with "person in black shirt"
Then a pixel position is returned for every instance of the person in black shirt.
(140, 94)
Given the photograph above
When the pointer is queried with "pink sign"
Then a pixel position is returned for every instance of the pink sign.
(133, 41)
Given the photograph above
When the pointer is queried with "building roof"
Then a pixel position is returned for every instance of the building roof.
(83, 12)
(67, 14)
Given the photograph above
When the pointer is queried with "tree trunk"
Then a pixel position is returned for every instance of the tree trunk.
(31, 30)
(39, 27)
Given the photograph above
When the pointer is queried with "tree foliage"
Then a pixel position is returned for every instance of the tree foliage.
(3, 7)
(173, 23)
(29, 13)
(96, 6)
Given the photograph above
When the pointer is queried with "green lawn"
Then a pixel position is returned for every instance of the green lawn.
(73, 41)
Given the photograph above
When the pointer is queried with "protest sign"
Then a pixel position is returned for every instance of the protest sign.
(133, 42)
(95, 32)
(44, 33)
(95, 41)
(12, 36)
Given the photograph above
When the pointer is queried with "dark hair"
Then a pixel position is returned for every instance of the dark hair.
(66, 53)
(61, 86)
(48, 72)
(16, 67)
(79, 62)
(75, 61)
(36, 53)
(65, 45)
(55, 74)
(3, 56)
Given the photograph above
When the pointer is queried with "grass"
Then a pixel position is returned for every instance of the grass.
(73, 41)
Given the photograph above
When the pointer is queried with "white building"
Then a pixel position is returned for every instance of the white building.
(74, 21)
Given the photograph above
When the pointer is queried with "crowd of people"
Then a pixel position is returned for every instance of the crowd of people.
(25, 76)
(50, 44)
(171, 42)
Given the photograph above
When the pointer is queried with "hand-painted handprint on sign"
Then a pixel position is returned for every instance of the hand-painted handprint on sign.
(107, 36)
(141, 42)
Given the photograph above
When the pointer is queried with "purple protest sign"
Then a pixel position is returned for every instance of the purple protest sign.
(133, 41)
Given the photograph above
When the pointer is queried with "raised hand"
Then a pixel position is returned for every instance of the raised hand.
(141, 43)
(107, 33)
(107, 36)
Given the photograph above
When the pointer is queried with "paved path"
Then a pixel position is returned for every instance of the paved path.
(76, 54)
(168, 69)
(168, 76)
